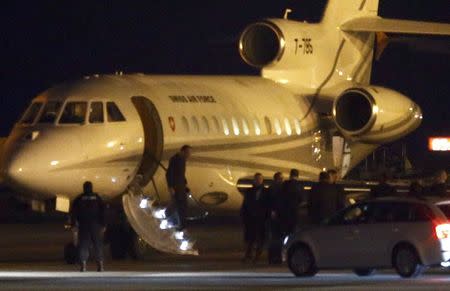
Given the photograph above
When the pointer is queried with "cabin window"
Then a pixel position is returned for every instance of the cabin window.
(268, 125)
(226, 130)
(287, 126)
(277, 126)
(195, 125)
(96, 113)
(216, 124)
(257, 126)
(114, 113)
(235, 126)
(51, 111)
(74, 113)
(245, 128)
(185, 123)
(298, 128)
(205, 125)
(31, 113)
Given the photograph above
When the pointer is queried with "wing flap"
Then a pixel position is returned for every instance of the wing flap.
(378, 24)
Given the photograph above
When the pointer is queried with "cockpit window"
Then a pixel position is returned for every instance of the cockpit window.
(31, 113)
(74, 113)
(96, 112)
(51, 111)
(114, 114)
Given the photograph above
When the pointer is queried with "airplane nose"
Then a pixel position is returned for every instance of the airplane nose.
(15, 166)
(29, 165)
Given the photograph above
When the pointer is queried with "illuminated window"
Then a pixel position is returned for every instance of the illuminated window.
(298, 129)
(50, 112)
(226, 130)
(205, 125)
(74, 113)
(287, 126)
(114, 114)
(195, 125)
(257, 126)
(235, 126)
(268, 125)
(245, 128)
(31, 113)
(185, 123)
(277, 126)
(96, 112)
(216, 124)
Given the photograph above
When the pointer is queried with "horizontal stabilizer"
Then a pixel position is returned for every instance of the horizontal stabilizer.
(378, 24)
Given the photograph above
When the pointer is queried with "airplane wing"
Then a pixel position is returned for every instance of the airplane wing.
(378, 24)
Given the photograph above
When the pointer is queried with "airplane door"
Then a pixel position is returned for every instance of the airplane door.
(153, 138)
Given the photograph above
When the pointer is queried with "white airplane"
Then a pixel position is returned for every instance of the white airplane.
(312, 108)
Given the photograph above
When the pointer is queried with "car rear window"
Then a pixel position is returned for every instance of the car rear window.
(401, 212)
(422, 212)
(445, 208)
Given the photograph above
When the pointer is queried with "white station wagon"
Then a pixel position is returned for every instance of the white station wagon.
(406, 234)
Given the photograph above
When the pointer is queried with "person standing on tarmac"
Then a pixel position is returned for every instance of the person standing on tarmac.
(340, 192)
(177, 182)
(291, 197)
(322, 200)
(274, 195)
(254, 214)
(88, 215)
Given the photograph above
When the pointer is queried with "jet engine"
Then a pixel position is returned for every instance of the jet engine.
(374, 114)
(261, 44)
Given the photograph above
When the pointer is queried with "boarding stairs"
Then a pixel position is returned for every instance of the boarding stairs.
(156, 225)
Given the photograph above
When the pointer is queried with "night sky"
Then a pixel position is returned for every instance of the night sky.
(46, 42)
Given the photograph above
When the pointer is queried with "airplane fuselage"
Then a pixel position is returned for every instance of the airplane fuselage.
(236, 125)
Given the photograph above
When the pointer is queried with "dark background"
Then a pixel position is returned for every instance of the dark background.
(46, 42)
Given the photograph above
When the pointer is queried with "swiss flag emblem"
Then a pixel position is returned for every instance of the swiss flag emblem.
(172, 123)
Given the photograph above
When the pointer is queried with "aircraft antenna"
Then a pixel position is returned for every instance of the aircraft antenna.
(286, 13)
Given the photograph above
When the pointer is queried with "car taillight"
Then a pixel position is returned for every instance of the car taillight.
(443, 231)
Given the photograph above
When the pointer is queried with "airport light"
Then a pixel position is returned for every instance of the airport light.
(439, 144)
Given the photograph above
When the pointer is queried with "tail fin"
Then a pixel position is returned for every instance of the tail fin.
(357, 53)
(338, 11)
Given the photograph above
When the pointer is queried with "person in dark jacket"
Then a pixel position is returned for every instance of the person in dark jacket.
(177, 183)
(317, 199)
(334, 177)
(88, 215)
(254, 214)
(439, 188)
(274, 195)
(383, 189)
(291, 197)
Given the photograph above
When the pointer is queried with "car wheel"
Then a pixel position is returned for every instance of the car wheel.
(362, 272)
(301, 261)
(407, 262)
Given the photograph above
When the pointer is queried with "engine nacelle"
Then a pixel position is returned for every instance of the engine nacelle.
(261, 44)
(375, 114)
